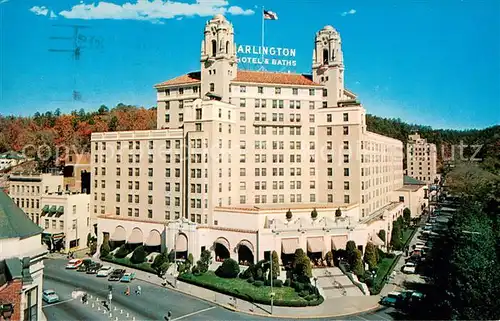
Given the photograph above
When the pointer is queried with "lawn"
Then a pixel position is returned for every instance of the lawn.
(407, 233)
(384, 268)
(284, 296)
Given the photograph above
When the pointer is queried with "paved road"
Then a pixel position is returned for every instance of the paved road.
(152, 304)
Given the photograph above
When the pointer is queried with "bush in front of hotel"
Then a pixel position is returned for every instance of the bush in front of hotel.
(229, 269)
(122, 252)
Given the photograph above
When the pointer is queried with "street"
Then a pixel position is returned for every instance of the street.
(154, 302)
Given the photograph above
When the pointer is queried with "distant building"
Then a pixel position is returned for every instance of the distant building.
(413, 195)
(76, 171)
(11, 159)
(65, 220)
(421, 159)
(21, 264)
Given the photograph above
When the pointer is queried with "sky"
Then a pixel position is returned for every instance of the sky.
(434, 63)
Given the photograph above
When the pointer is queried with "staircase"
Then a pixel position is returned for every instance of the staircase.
(334, 284)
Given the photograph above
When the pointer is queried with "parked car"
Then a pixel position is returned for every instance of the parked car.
(391, 299)
(104, 271)
(74, 264)
(93, 268)
(50, 296)
(409, 268)
(116, 275)
(82, 268)
(127, 277)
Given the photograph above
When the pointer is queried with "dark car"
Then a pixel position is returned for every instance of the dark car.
(93, 268)
(82, 268)
(116, 275)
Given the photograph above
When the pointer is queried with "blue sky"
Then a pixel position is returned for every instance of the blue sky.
(428, 62)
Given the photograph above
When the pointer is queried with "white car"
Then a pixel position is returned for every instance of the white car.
(410, 268)
(74, 264)
(104, 271)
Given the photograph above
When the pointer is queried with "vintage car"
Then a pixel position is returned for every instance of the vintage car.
(50, 296)
(74, 264)
(127, 277)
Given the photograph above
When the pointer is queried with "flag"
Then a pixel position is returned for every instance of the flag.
(269, 15)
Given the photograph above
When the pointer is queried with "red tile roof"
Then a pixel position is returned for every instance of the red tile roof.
(260, 77)
(265, 77)
(191, 77)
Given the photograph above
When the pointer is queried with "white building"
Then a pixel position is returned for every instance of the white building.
(21, 263)
(65, 218)
(235, 150)
(421, 159)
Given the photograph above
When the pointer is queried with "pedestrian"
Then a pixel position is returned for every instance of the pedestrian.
(138, 291)
(127, 291)
(167, 316)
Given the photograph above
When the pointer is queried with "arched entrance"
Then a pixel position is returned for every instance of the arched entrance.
(153, 243)
(118, 237)
(221, 248)
(181, 246)
(245, 252)
(135, 239)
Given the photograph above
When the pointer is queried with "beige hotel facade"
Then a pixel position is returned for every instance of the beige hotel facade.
(235, 150)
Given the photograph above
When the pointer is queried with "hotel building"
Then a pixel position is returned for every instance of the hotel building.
(421, 158)
(236, 150)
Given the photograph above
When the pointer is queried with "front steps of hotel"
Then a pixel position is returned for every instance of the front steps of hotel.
(332, 283)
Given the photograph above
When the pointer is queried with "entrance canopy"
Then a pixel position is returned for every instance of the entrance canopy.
(289, 246)
(136, 236)
(339, 242)
(247, 244)
(119, 234)
(375, 239)
(181, 244)
(315, 244)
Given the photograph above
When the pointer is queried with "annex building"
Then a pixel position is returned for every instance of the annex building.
(242, 159)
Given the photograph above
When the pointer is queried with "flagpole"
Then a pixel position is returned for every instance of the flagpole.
(262, 42)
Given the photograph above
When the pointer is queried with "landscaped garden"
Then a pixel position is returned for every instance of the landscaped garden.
(254, 284)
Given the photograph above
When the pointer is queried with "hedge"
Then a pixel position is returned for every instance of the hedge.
(146, 267)
(234, 291)
(379, 282)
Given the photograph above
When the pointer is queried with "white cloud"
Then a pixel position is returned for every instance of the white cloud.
(40, 11)
(345, 13)
(4, 1)
(53, 15)
(151, 10)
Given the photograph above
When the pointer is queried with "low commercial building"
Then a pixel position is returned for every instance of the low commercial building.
(11, 159)
(413, 195)
(21, 264)
(65, 218)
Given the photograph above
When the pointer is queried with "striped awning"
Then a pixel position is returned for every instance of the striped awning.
(135, 237)
(289, 246)
(119, 234)
(181, 243)
(60, 211)
(222, 241)
(247, 244)
(52, 210)
(45, 209)
(154, 238)
(315, 244)
(339, 242)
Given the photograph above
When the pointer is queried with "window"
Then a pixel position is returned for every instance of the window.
(346, 116)
(346, 171)
(346, 199)
(243, 102)
(311, 92)
(295, 91)
(329, 118)
(31, 311)
(260, 90)
(277, 90)
(325, 93)
(346, 130)
(212, 85)
(243, 89)
(346, 186)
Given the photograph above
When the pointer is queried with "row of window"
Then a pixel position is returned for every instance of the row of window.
(180, 91)
(17, 189)
(134, 211)
(278, 90)
(137, 145)
(294, 198)
(20, 203)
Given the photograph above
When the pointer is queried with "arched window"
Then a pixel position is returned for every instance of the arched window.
(227, 47)
(214, 47)
(325, 56)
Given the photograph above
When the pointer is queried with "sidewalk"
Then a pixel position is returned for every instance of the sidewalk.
(331, 308)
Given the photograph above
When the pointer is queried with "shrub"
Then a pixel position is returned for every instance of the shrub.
(229, 269)
(159, 260)
(105, 249)
(329, 258)
(276, 265)
(289, 215)
(162, 269)
(258, 283)
(190, 259)
(371, 256)
(301, 264)
(338, 212)
(171, 256)
(204, 261)
(139, 255)
(267, 282)
(299, 287)
(259, 275)
(278, 283)
(358, 267)
(122, 252)
(314, 214)
(195, 270)
(250, 280)
(288, 282)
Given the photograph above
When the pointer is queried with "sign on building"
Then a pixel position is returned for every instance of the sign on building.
(258, 55)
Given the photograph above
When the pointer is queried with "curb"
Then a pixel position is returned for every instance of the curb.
(275, 316)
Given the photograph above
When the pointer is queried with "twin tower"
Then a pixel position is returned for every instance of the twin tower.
(219, 65)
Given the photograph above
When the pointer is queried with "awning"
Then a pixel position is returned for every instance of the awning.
(119, 234)
(181, 243)
(375, 239)
(222, 241)
(52, 210)
(315, 244)
(339, 242)
(60, 211)
(247, 244)
(45, 209)
(289, 246)
(135, 237)
(154, 238)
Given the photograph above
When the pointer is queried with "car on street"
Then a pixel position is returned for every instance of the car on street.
(50, 296)
(410, 268)
(82, 268)
(74, 264)
(94, 268)
(391, 299)
(116, 275)
(104, 271)
(127, 277)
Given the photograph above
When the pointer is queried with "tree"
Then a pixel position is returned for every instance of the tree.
(190, 259)
(122, 252)
(396, 237)
(289, 215)
(358, 267)
(229, 269)
(407, 216)
(159, 260)
(103, 109)
(314, 214)
(351, 253)
(276, 265)
(105, 248)
(301, 264)
(139, 255)
(381, 234)
(113, 124)
(204, 261)
(371, 255)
